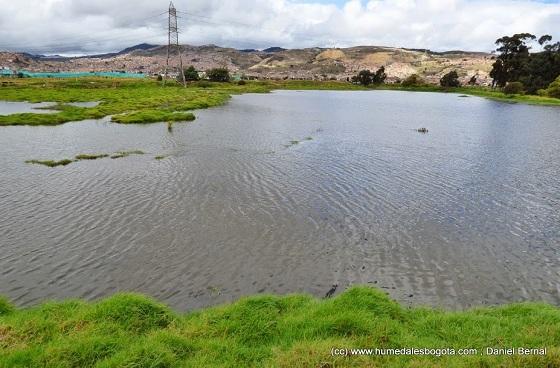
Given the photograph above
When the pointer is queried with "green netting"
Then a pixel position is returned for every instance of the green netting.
(81, 74)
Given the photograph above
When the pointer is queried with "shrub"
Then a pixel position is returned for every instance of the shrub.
(241, 83)
(451, 79)
(513, 88)
(218, 75)
(412, 80)
(191, 74)
(203, 84)
(554, 89)
(366, 77)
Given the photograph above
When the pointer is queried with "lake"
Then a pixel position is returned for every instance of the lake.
(291, 192)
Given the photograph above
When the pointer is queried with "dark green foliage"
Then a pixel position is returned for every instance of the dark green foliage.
(473, 81)
(380, 76)
(366, 77)
(191, 74)
(413, 80)
(513, 88)
(515, 62)
(450, 79)
(242, 82)
(218, 75)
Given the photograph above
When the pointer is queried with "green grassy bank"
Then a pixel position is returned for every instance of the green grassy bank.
(129, 330)
(147, 101)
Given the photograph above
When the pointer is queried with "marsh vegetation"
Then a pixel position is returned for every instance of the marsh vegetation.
(146, 101)
(85, 157)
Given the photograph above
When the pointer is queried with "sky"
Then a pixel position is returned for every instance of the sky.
(77, 27)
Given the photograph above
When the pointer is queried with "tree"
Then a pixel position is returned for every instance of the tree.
(218, 75)
(364, 77)
(451, 79)
(191, 74)
(514, 54)
(515, 63)
(380, 76)
(554, 89)
(473, 81)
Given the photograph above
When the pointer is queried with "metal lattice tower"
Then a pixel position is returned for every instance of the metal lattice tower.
(173, 43)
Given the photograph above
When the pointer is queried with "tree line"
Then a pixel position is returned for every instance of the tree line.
(515, 69)
(530, 71)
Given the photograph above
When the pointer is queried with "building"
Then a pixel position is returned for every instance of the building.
(6, 72)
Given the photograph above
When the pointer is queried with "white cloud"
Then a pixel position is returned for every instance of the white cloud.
(87, 26)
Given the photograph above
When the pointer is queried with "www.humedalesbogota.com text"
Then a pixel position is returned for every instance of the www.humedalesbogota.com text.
(436, 352)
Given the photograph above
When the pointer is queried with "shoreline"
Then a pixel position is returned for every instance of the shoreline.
(279, 331)
(144, 102)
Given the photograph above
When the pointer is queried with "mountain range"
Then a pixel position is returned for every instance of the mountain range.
(271, 63)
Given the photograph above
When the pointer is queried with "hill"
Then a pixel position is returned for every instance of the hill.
(274, 62)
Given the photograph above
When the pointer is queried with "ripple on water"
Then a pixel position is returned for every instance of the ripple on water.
(465, 215)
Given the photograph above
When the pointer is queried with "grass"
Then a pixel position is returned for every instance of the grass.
(129, 330)
(146, 101)
(123, 154)
(91, 157)
(84, 157)
(50, 163)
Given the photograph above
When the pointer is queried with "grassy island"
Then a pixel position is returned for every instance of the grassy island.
(130, 330)
(147, 101)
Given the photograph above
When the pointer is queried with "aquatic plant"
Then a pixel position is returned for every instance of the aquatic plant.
(123, 154)
(131, 330)
(85, 156)
(50, 163)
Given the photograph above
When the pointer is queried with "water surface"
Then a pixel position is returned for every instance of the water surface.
(9, 108)
(291, 192)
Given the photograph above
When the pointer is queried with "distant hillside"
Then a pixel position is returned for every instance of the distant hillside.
(273, 62)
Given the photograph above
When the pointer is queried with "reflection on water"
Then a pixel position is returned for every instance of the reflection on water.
(84, 104)
(291, 192)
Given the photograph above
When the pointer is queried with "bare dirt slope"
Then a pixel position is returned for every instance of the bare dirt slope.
(310, 63)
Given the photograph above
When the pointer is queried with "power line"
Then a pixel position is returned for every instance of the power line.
(173, 42)
(83, 39)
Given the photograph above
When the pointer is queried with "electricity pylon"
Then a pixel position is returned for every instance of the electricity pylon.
(173, 43)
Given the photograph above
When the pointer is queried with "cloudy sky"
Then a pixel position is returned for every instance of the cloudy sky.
(73, 27)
